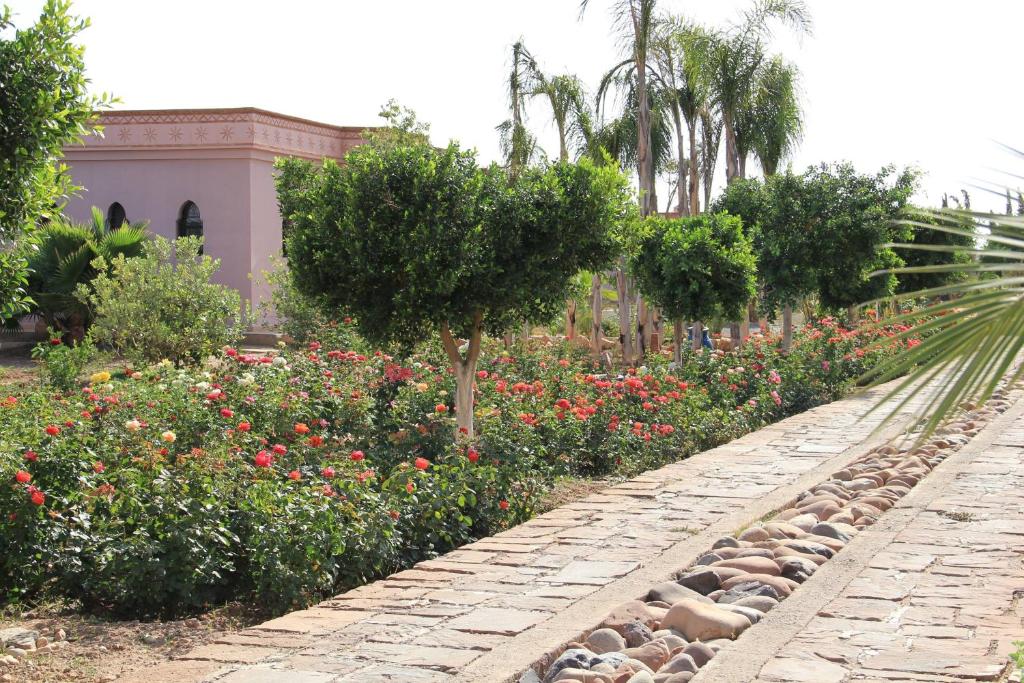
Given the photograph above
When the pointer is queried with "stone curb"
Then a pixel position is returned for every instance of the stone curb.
(543, 643)
(743, 660)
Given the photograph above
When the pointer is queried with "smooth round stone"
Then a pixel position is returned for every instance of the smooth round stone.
(700, 652)
(834, 543)
(795, 565)
(783, 530)
(636, 634)
(575, 658)
(755, 552)
(781, 585)
(605, 640)
(672, 641)
(810, 548)
(823, 509)
(840, 532)
(653, 654)
(728, 553)
(750, 565)
(784, 552)
(682, 677)
(842, 517)
(574, 675)
(804, 522)
(709, 558)
(641, 677)
(700, 621)
(752, 615)
(671, 593)
(628, 612)
(762, 603)
(748, 590)
(680, 663)
(862, 484)
(725, 542)
(702, 582)
(754, 534)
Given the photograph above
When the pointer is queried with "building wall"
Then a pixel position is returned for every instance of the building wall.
(153, 161)
(155, 190)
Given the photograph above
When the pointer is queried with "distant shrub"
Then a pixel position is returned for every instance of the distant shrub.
(162, 303)
(61, 364)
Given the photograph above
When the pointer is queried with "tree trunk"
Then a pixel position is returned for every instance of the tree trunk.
(683, 202)
(596, 305)
(694, 172)
(787, 327)
(852, 315)
(654, 325)
(736, 334)
(644, 162)
(625, 321)
(508, 339)
(526, 332)
(731, 165)
(678, 336)
(698, 335)
(762, 323)
(643, 335)
(570, 318)
(465, 372)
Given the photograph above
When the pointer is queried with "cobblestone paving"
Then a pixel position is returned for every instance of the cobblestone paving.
(941, 602)
(430, 622)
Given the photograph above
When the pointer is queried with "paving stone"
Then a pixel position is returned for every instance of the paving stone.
(497, 620)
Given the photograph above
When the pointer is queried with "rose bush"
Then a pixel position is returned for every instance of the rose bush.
(280, 478)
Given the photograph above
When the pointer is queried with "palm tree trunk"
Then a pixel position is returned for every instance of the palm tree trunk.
(570, 318)
(654, 325)
(642, 333)
(694, 172)
(683, 204)
(596, 335)
(677, 338)
(625, 322)
(731, 160)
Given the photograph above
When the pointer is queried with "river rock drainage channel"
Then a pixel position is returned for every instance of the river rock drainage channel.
(681, 625)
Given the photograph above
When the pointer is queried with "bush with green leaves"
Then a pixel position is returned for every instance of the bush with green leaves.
(162, 304)
(62, 364)
(414, 241)
(696, 268)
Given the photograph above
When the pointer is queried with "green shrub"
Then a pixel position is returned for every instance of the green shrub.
(61, 364)
(162, 304)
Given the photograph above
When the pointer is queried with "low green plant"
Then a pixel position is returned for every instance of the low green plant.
(163, 304)
(61, 364)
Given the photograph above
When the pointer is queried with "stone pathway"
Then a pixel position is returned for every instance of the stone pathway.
(487, 611)
(935, 597)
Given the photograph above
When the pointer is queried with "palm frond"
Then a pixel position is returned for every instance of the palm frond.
(973, 335)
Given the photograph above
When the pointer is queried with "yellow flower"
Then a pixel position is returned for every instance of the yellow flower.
(168, 436)
(422, 386)
(99, 377)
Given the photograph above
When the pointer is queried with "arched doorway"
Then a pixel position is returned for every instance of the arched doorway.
(190, 223)
(116, 216)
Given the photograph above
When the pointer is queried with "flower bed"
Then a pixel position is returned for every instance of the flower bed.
(159, 491)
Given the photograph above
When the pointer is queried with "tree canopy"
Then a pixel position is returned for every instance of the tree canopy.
(412, 240)
(696, 267)
(44, 105)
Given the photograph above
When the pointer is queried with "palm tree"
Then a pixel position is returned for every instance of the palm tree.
(678, 71)
(733, 58)
(65, 259)
(778, 120)
(975, 338)
(635, 19)
(518, 146)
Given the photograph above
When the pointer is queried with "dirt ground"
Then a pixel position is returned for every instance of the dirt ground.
(103, 650)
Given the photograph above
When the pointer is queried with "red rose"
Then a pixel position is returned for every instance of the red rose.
(98, 467)
(22, 477)
(279, 449)
(244, 426)
(440, 408)
(227, 412)
(263, 459)
(421, 463)
(37, 497)
(503, 505)
(52, 430)
(328, 472)
(357, 455)
(563, 403)
(294, 475)
(301, 428)
(472, 455)
(31, 456)
(315, 441)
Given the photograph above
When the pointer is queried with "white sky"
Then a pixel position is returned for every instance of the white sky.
(933, 83)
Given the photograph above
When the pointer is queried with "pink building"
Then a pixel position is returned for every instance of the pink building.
(202, 172)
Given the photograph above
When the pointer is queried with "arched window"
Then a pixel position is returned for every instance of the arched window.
(116, 216)
(190, 224)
